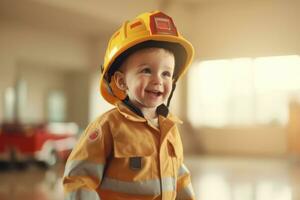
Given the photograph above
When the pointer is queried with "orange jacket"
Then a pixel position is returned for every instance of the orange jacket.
(122, 156)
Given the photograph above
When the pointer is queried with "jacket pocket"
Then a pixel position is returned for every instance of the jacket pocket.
(132, 160)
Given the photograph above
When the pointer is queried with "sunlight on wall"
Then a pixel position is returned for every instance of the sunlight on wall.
(242, 91)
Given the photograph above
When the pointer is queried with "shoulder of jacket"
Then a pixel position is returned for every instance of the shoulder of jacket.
(102, 122)
(108, 116)
(111, 116)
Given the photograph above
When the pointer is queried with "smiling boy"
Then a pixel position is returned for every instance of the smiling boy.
(134, 151)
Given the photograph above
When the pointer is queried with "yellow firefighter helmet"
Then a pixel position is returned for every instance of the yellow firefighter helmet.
(151, 29)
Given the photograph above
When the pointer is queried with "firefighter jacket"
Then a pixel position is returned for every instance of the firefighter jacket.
(122, 156)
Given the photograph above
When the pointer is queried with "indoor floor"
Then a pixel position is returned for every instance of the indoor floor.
(214, 178)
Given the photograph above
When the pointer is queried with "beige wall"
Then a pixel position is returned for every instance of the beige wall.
(77, 86)
(39, 82)
(266, 140)
(24, 43)
(246, 28)
(42, 59)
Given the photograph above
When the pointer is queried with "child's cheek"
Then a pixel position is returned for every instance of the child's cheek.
(168, 88)
(138, 91)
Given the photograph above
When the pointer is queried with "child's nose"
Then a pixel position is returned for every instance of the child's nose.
(157, 79)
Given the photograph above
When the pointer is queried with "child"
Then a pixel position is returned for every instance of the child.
(134, 151)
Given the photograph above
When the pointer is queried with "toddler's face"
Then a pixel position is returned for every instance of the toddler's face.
(148, 76)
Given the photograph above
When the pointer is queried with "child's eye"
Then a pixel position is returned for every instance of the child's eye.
(167, 73)
(146, 71)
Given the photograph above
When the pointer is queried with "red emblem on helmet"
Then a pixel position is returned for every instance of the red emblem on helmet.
(160, 23)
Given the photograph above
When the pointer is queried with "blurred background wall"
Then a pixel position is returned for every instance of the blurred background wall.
(51, 52)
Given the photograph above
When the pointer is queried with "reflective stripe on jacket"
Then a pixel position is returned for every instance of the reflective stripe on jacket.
(122, 156)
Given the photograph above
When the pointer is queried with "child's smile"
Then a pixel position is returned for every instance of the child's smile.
(154, 95)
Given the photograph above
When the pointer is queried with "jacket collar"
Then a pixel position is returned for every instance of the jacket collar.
(132, 115)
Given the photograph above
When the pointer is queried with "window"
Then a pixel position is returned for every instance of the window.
(242, 91)
(15, 99)
(9, 104)
(56, 106)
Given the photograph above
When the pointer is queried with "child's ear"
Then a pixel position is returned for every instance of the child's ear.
(119, 79)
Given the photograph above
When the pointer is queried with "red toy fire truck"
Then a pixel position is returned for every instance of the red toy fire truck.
(42, 143)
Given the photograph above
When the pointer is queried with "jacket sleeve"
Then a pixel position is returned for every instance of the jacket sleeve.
(86, 163)
(184, 186)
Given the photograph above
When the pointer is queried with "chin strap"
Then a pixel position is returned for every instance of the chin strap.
(132, 107)
(164, 109)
